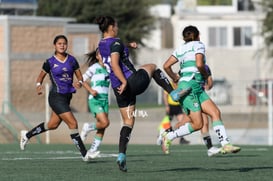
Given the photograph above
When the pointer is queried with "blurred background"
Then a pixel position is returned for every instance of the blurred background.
(238, 35)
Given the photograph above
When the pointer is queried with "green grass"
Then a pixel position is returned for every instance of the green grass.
(145, 162)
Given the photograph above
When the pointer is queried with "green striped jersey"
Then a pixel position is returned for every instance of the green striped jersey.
(99, 80)
(185, 54)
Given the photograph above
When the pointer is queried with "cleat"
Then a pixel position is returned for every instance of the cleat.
(165, 143)
(86, 158)
(176, 94)
(93, 154)
(90, 155)
(213, 151)
(23, 140)
(121, 161)
(159, 140)
(84, 131)
(229, 148)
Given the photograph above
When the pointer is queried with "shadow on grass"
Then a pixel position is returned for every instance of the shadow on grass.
(244, 169)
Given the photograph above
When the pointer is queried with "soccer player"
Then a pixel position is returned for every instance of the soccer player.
(126, 81)
(206, 85)
(61, 68)
(191, 56)
(97, 99)
(173, 109)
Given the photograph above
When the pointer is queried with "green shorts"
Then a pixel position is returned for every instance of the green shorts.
(98, 106)
(192, 101)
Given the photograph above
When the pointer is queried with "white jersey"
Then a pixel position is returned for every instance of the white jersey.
(185, 54)
(99, 80)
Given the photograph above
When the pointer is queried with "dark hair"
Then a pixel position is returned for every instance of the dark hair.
(59, 37)
(104, 22)
(190, 33)
(91, 57)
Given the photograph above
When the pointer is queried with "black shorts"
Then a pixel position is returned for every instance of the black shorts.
(175, 110)
(59, 103)
(137, 84)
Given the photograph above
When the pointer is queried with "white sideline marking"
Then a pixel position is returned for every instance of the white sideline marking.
(103, 155)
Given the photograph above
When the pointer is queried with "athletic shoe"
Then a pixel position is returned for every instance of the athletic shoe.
(84, 131)
(23, 140)
(176, 94)
(159, 140)
(86, 158)
(93, 154)
(229, 148)
(165, 143)
(213, 151)
(121, 161)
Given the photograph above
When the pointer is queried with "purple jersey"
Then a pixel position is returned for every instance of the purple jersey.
(61, 73)
(111, 45)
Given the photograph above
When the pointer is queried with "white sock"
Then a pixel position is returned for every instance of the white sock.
(181, 131)
(95, 145)
(91, 127)
(220, 130)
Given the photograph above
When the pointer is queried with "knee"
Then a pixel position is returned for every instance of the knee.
(106, 124)
(216, 115)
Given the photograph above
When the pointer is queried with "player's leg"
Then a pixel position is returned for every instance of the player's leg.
(53, 123)
(210, 108)
(159, 76)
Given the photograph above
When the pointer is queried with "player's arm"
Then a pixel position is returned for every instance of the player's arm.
(168, 68)
(39, 82)
(201, 65)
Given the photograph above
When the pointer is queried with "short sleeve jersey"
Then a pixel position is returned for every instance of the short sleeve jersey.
(185, 54)
(61, 73)
(99, 80)
(114, 45)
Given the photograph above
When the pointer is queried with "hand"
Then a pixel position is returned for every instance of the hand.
(176, 79)
(167, 110)
(77, 85)
(39, 89)
(94, 93)
(122, 88)
(132, 44)
(206, 87)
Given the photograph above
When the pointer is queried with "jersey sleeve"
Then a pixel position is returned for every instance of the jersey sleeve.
(200, 48)
(46, 66)
(117, 47)
(88, 74)
(175, 53)
(76, 64)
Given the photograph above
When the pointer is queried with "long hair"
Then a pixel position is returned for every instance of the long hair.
(92, 57)
(104, 22)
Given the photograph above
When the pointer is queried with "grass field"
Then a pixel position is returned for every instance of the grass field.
(55, 162)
